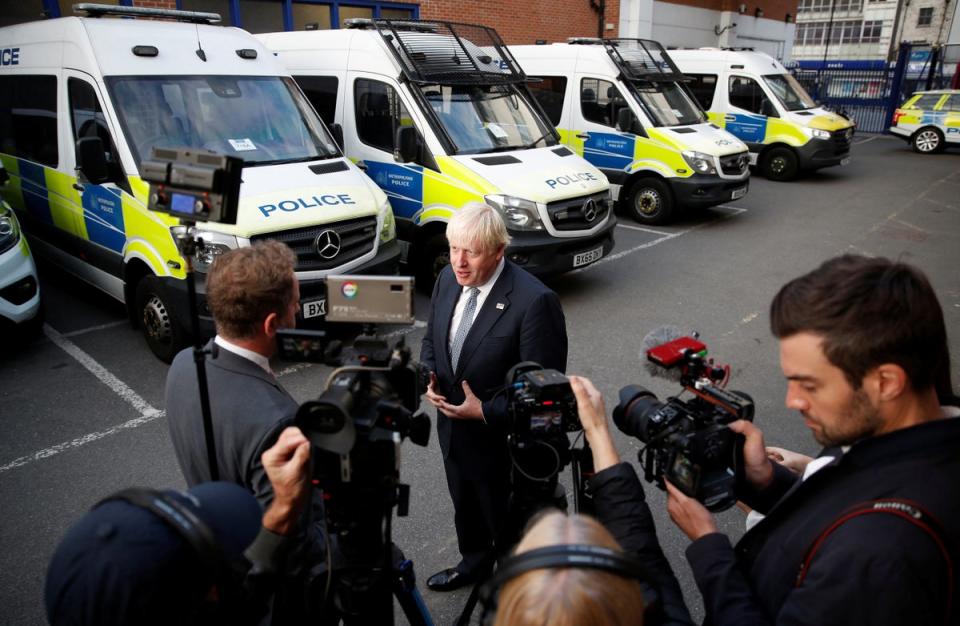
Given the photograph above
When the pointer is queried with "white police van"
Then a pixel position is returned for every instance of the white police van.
(439, 115)
(621, 103)
(83, 102)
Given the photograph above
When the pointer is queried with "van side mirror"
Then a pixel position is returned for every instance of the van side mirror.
(337, 131)
(92, 160)
(407, 145)
(768, 109)
(627, 122)
(4, 177)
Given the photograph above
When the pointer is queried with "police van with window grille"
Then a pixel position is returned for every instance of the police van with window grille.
(439, 115)
(83, 102)
(621, 103)
(754, 97)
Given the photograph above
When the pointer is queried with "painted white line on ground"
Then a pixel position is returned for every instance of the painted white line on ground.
(867, 140)
(641, 228)
(650, 244)
(93, 329)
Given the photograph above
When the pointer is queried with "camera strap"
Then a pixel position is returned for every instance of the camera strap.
(904, 509)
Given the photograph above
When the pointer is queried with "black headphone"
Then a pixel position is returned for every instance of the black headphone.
(576, 555)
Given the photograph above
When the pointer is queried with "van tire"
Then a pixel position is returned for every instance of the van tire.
(433, 256)
(927, 140)
(780, 164)
(162, 330)
(650, 201)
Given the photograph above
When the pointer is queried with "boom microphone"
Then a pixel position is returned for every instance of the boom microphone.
(657, 337)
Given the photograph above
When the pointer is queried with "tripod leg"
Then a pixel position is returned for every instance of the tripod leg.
(405, 590)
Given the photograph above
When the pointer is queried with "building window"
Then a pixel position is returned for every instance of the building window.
(871, 31)
(314, 16)
(925, 17)
(549, 93)
(221, 7)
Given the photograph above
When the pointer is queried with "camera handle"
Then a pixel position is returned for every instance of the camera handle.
(185, 236)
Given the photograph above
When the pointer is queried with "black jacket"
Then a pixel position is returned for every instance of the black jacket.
(873, 569)
(622, 508)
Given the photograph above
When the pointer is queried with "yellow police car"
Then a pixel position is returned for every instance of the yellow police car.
(929, 120)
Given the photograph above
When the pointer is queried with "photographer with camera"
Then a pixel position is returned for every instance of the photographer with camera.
(869, 533)
(150, 557)
(573, 570)
(486, 315)
(252, 292)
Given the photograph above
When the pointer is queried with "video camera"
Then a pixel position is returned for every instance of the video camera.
(688, 442)
(541, 402)
(194, 185)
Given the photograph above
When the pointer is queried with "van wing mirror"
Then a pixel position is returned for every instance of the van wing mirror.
(407, 145)
(627, 122)
(4, 177)
(92, 160)
(768, 109)
(337, 131)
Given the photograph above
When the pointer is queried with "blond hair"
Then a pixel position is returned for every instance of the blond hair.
(480, 224)
(569, 596)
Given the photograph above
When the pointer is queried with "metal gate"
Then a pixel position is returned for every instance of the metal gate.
(868, 92)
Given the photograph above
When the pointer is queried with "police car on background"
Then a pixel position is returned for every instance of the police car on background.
(929, 120)
(19, 288)
(86, 99)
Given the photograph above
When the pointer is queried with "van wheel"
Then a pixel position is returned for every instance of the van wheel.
(650, 201)
(163, 332)
(927, 140)
(430, 261)
(780, 164)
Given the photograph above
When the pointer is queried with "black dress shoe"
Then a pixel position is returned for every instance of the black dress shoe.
(448, 580)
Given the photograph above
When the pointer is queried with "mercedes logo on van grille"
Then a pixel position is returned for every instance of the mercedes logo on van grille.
(589, 210)
(328, 244)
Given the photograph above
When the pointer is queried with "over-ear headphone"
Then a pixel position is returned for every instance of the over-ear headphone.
(571, 555)
(186, 524)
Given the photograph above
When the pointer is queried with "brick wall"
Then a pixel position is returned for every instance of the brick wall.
(156, 4)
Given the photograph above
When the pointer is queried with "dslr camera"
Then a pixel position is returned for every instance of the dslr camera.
(687, 441)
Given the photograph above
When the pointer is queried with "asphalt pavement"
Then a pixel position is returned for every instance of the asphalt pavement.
(82, 405)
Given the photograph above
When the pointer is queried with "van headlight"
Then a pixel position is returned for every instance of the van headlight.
(9, 229)
(388, 224)
(519, 214)
(700, 162)
(214, 244)
(819, 134)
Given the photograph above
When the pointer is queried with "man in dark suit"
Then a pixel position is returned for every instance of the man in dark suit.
(252, 292)
(486, 316)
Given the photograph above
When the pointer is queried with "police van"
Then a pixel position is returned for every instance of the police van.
(621, 104)
(19, 289)
(754, 97)
(438, 114)
(929, 120)
(83, 102)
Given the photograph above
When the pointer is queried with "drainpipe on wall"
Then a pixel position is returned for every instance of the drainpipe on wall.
(601, 10)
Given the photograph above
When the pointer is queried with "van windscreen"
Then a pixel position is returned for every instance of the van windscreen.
(262, 120)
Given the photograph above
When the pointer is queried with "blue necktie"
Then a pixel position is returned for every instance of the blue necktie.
(465, 323)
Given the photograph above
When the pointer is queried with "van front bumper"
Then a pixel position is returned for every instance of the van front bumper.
(699, 191)
(818, 153)
(542, 254)
(19, 289)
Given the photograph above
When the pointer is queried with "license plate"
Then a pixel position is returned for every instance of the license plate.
(738, 193)
(587, 257)
(313, 308)
(845, 161)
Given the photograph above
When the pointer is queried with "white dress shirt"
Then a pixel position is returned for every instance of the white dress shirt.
(485, 290)
(256, 357)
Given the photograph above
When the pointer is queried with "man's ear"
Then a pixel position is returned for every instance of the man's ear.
(271, 323)
(889, 380)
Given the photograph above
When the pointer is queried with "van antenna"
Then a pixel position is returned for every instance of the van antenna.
(200, 52)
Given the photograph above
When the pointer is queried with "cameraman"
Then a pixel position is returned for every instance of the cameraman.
(868, 534)
(252, 292)
(588, 596)
(148, 558)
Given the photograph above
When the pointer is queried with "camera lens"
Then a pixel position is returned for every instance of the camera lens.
(632, 415)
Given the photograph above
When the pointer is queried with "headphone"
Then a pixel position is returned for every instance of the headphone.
(574, 555)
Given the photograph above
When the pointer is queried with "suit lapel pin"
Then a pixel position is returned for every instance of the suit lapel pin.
(501, 306)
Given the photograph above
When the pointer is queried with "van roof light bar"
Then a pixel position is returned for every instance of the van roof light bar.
(642, 59)
(584, 40)
(448, 53)
(100, 10)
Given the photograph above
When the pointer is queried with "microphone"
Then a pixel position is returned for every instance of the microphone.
(657, 337)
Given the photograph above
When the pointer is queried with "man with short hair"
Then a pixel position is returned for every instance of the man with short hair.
(252, 292)
(869, 533)
(486, 316)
